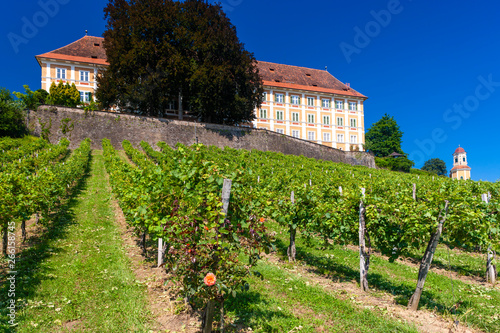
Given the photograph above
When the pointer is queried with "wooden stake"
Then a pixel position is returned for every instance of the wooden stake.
(292, 251)
(364, 256)
(427, 260)
(414, 191)
(491, 270)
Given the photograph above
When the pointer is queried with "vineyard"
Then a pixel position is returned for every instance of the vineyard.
(227, 224)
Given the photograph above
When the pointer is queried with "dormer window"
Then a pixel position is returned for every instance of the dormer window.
(94, 57)
(271, 69)
(308, 74)
(96, 44)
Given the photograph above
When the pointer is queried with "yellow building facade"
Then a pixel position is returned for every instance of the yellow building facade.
(460, 168)
(305, 103)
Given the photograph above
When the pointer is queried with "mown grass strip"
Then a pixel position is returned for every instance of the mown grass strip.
(470, 304)
(80, 278)
(284, 301)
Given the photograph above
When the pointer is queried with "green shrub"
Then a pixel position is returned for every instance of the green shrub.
(394, 163)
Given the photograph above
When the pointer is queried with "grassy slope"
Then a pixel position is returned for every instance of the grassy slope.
(478, 306)
(81, 278)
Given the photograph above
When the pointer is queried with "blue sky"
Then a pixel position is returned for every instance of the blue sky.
(433, 66)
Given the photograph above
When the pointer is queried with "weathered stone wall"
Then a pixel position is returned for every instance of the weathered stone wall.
(76, 125)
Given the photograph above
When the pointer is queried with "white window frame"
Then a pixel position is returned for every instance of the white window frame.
(280, 131)
(294, 99)
(354, 139)
(310, 101)
(310, 118)
(353, 106)
(340, 121)
(279, 115)
(279, 98)
(61, 73)
(353, 122)
(295, 116)
(340, 138)
(264, 96)
(85, 96)
(326, 137)
(296, 133)
(325, 103)
(339, 104)
(263, 113)
(326, 120)
(84, 76)
(311, 135)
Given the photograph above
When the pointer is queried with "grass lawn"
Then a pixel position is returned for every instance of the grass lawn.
(77, 277)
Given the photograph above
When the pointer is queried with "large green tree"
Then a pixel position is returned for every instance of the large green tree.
(435, 165)
(164, 51)
(384, 137)
(11, 115)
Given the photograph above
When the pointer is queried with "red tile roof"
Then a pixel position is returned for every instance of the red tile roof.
(459, 150)
(88, 49)
(457, 167)
(294, 77)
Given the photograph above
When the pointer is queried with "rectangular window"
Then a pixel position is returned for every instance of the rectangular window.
(353, 106)
(340, 138)
(310, 101)
(354, 139)
(279, 115)
(326, 137)
(279, 98)
(310, 118)
(61, 73)
(280, 131)
(310, 135)
(295, 116)
(263, 113)
(85, 96)
(171, 105)
(264, 97)
(340, 105)
(325, 103)
(340, 121)
(295, 134)
(295, 100)
(353, 122)
(84, 76)
(326, 120)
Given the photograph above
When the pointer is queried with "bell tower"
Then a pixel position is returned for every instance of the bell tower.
(460, 168)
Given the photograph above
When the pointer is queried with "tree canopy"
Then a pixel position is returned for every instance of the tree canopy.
(11, 115)
(163, 51)
(384, 137)
(435, 165)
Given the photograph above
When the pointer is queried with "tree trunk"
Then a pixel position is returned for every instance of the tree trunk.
(292, 251)
(364, 255)
(5, 239)
(23, 230)
(208, 317)
(427, 261)
(143, 242)
(491, 270)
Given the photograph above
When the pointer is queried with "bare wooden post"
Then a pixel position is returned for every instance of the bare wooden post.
(414, 191)
(292, 251)
(491, 270)
(340, 190)
(208, 316)
(364, 255)
(310, 184)
(161, 252)
(426, 262)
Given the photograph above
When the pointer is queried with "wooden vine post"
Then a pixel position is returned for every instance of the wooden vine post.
(292, 251)
(491, 270)
(426, 262)
(208, 316)
(364, 254)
